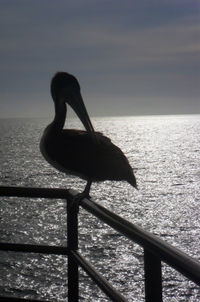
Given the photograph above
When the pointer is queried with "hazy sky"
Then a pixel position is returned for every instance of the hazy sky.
(131, 57)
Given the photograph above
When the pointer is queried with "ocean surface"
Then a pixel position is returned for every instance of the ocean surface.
(165, 154)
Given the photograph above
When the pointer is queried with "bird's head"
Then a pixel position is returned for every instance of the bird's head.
(65, 88)
(63, 85)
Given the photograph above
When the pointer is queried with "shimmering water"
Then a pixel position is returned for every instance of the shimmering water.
(165, 154)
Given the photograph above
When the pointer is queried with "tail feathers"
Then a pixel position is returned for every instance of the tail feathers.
(132, 181)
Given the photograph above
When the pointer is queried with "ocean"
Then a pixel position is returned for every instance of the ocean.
(164, 152)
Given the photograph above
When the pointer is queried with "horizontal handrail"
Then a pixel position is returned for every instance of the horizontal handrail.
(99, 280)
(35, 192)
(167, 253)
(31, 248)
(10, 299)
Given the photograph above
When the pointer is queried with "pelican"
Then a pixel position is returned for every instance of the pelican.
(87, 154)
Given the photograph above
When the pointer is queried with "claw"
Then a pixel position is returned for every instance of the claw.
(85, 193)
(77, 198)
(81, 196)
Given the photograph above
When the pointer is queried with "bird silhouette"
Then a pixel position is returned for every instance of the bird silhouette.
(87, 154)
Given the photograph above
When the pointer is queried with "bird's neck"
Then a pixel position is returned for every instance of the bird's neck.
(59, 119)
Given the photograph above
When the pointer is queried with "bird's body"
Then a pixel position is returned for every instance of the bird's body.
(74, 152)
(87, 154)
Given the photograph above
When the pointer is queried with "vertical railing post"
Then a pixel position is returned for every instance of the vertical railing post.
(72, 243)
(153, 277)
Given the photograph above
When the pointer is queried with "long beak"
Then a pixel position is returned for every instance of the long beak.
(78, 106)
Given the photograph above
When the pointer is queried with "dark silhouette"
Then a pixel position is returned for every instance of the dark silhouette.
(87, 154)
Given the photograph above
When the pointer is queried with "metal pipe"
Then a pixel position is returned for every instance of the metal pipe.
(99, 280)
(153, 277)
(186, 265)
(10, 299)
(72, 244)
(35, 192)
(31, 248)
(154, 247)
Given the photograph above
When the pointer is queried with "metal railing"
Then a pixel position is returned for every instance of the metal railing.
(155, 249)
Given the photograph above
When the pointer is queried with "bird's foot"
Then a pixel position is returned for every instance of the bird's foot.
(81, 196)
(77, 200)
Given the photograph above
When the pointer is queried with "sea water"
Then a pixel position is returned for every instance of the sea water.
(164, 152)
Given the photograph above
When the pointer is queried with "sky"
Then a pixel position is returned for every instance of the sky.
(131, 57)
